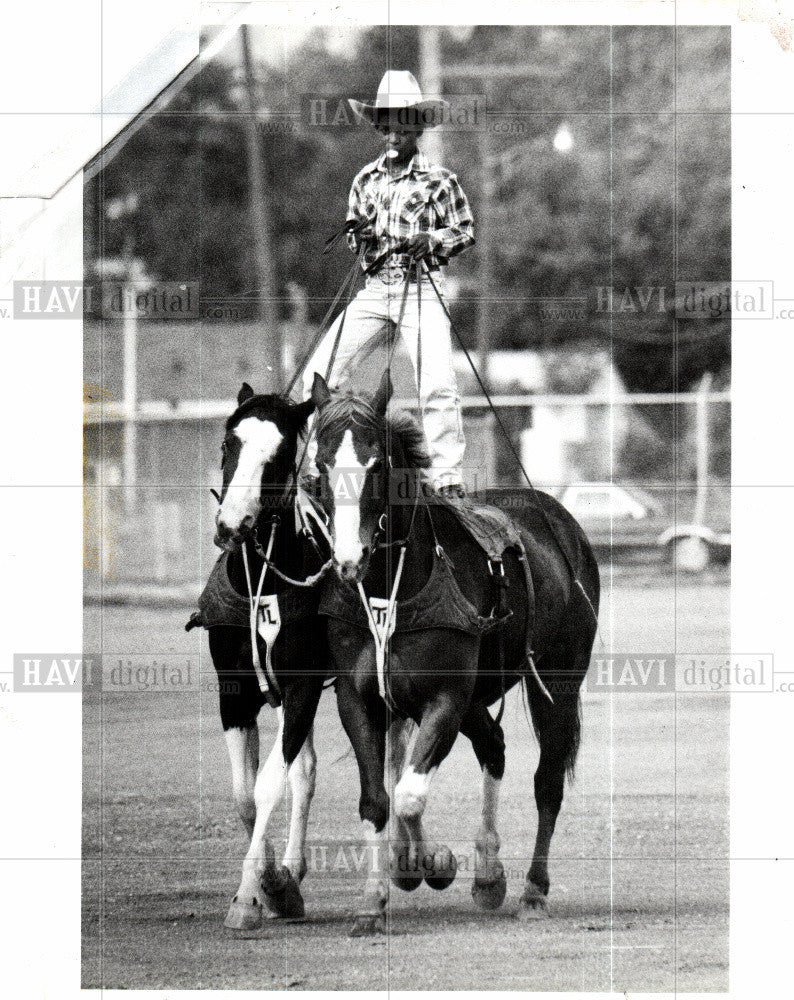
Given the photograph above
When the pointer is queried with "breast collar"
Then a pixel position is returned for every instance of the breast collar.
(440, 603)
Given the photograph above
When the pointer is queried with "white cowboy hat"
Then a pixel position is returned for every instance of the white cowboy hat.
(399, 90)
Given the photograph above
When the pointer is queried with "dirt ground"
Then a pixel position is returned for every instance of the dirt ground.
(639, 868)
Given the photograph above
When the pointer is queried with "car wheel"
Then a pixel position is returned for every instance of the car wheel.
(690, 554)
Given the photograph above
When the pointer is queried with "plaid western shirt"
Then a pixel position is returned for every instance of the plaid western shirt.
(421, 198)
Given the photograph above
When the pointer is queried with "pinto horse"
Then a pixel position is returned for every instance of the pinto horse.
(257, 509)
(440, 673)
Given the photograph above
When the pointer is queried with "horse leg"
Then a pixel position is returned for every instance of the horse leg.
(239, 701)
(437, 732)
(403, 874)
(490, 885)
(242, 742)
(302, 780)
(281, 885)
(245, 912)
(365, 725)
(558, 731)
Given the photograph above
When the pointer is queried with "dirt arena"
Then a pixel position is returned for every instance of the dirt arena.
(639, 867)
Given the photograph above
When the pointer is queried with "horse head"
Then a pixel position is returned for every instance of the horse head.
(369, 472)
(258, 456)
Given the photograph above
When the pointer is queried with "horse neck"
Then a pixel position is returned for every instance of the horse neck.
(288, 552)
(412, 526)
(419, 550)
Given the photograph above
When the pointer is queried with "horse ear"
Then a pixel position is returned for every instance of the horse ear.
(383, 395)
(321, 394)
(245, 393)
(304, 410)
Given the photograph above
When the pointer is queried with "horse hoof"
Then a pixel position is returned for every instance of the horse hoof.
(490, 895)
(244, 916)
(368, 925)
(282, 894)
(533, 904)
(443, 869)
(403, 875)
(406, 882)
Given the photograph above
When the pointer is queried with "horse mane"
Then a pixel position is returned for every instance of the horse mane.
(406, 428)
(273, 404)
(346, 408)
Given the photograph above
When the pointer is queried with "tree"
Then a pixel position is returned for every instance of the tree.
(641, 200)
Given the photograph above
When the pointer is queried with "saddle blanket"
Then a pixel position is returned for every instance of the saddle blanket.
(439, 604)
(221, 604)
(492, 529)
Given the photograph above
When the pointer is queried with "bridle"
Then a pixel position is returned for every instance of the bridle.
(376, 545)
(381, 614)
(269, 566)
(303, 529)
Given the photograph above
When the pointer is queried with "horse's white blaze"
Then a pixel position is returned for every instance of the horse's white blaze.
(410, 795)
(347, 479)
(259, 441)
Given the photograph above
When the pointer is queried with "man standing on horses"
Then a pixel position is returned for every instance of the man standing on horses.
(401, 202)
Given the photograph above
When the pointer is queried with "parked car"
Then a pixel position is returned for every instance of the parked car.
(625, 519)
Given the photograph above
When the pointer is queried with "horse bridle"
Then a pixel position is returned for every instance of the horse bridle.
(265, 554)
(377, 545)
(275, 521)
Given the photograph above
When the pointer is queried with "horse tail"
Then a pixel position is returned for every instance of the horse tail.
(574, 737)
(553, 694)
(565, 716)
(555, 702)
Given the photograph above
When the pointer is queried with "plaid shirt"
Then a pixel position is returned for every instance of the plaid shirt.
(421, 198)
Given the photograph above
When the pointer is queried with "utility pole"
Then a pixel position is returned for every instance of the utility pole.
(485, 246)
(430, 80)
(264, 264)
(131, 285)
(484, 74)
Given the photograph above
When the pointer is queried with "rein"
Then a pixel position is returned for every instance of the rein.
(266, 677)
(268, 565)
(514, 452)
(346, 290)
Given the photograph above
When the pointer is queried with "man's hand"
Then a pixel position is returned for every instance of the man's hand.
(420, 245)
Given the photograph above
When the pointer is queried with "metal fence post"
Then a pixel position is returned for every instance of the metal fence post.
(702, 446)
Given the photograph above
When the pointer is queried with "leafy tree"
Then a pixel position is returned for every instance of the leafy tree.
(642, 199)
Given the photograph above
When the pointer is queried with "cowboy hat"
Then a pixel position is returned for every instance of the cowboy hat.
(399, 91)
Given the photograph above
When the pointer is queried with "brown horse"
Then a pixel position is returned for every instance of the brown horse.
(412, 564)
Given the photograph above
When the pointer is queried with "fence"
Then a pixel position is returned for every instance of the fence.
(149, 513)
